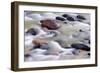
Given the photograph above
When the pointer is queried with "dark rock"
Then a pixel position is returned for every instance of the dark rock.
(81, 47)
(60, 18)
(81, 17)
(89, 54)
(32, 31)
(81, 30)
(89, 42)
(65, 15)
(27, 55)
(50, 24)
(36, 46)
(68, 17)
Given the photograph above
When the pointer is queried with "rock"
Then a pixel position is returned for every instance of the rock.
(81, 46)
(54, 48)
(68, 17)
(50, 24)
(32, 31)
(65, 15)
(81, 17)
(60, 18)
(39, 41)
(89, 54)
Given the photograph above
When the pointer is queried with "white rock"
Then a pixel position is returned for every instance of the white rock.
(54, 48)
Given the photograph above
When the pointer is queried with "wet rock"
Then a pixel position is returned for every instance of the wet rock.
(32, 31)
(81, 17)
(60, 18)
(50, 24)
(65, 15)
(39, 41)
(27, 55)
(81, 47)
(89, 54)
(69, 18)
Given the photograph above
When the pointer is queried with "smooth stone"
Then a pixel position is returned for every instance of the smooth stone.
(65, 15)
(89, 54)
(68, 17)
(50, 24)
(27, 55)
(81, 46)
(39, 42)
(60, 18)
(32, 31)
(81, 17)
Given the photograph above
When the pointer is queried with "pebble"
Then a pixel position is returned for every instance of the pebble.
(60, 18)
(81, 46)
(50, 24)
(32, 31)
(81, 17)
(65, 15)
(69, 18)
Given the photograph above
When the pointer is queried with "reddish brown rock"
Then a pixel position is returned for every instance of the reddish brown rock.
(50, 24)
(39, 41)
